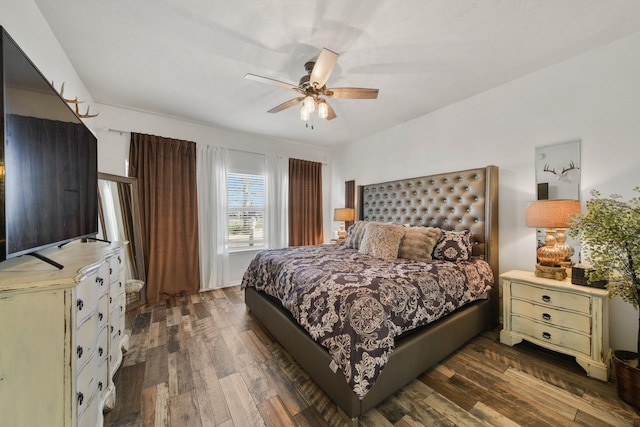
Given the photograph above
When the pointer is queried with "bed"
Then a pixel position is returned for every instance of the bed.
(463, 202)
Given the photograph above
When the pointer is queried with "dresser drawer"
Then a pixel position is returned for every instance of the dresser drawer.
(91, 414)
(86, 297)
(552, 334)
(103, 343)
(570, 301)
(87, 385)
(115, 266)
(551, 316)
(103, 375)
(104, 280)
(117, 287)
(103, 310)
(116, 333)
(86, 340)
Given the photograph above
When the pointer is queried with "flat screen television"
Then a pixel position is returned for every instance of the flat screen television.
(48, 162)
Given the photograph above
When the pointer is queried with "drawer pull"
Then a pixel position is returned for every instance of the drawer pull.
(100, 386)
(546, 298)
(100, 316)
(100, 351)
(79, 351)
(546, 335)
(546, 316)
(119, 332)
(79, 304)
(111, 328)
(110, 300)
(120, 283)
(110, 271)
(119, 260)
(100, 280)
(80, 398)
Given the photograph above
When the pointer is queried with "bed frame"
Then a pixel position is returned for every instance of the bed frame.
(452, 201)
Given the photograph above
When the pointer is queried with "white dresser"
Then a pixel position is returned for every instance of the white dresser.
(560, 316)
(62, 333)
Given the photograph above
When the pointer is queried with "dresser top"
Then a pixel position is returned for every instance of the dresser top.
(78, 258)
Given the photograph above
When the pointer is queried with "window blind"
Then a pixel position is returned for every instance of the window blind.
(245, 196)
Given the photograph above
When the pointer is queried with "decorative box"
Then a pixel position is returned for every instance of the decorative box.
(579, 277)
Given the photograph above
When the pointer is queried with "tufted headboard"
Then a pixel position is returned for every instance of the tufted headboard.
(451, 201)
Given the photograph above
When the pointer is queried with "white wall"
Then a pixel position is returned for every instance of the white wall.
(26, 25)
(594, 97)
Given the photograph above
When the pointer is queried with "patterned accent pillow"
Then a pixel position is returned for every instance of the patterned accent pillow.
(381, 240)
(418, 242)
(453, 246)
(354, 235)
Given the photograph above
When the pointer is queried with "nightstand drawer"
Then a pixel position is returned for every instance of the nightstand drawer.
(551, 316)
(571, 301)
(551, 334)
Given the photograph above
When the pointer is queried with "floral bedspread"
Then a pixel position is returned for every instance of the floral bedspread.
(355, 304)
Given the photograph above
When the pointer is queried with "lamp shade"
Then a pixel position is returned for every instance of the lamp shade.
(551, 213)
(344, 214)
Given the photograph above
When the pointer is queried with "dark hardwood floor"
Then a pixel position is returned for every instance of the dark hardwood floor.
(204, 360)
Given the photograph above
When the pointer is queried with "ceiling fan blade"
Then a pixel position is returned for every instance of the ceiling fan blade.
(323, 68)
(272, 82)
(351, 93)
(332, 113)
(285, 105)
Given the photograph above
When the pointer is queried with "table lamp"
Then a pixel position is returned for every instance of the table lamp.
(342, 215)
(553, 215)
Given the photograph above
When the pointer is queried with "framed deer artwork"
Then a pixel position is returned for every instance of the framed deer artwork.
(558, 177)
(558, 166)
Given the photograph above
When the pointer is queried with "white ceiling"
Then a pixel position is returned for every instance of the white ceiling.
(187, 58)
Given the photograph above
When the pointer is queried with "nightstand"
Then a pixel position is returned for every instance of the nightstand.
(560, 316)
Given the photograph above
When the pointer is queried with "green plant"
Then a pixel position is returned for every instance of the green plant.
(610, 237)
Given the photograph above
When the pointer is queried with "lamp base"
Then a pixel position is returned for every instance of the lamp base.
(549, 272)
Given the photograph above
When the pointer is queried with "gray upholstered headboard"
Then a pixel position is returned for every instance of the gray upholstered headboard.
(451, 201)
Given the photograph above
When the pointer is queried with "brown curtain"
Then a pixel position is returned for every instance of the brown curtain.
(350, 199)
(166, 173)
(305, 203)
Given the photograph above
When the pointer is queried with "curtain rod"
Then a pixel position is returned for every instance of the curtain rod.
(107, 129)
(263, 154)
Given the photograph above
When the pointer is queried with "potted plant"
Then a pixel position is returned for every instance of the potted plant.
(610, 237)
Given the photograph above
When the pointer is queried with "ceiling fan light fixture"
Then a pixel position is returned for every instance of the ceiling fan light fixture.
(305, 115)
(312, 85)
(309, 103)
(323, 109)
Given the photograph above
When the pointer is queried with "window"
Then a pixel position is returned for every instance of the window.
(245, 196)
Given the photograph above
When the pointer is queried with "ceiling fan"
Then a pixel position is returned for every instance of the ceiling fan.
(312, 87)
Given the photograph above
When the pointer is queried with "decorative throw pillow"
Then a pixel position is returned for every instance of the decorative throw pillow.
(354, 235)
(453, 246)
(381, 240)
(418, 242)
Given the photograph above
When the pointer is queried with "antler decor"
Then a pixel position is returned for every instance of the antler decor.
(564, 170)
(76, 103)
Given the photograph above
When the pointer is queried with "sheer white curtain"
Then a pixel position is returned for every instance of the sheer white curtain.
(212, 217)
(276, 190)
